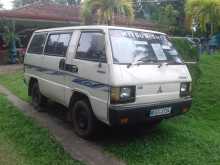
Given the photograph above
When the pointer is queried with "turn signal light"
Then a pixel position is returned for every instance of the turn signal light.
(184, 110)
(124, 120)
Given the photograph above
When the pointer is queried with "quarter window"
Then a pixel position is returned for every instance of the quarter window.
(57, 44)
(91, 47)
(37, 44)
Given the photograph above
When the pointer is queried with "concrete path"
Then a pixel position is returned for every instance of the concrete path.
(10, 68)
(89, 152)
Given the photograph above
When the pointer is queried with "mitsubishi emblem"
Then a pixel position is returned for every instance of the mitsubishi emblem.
(160, 90)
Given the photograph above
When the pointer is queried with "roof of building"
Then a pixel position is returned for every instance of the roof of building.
(49, 11)
(63, 13)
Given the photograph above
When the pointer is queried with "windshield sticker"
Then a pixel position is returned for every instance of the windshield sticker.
(142, 36)
(140, 42)
(165, 47)
(159, 52)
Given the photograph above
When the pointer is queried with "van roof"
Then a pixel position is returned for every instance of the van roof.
(102, 27)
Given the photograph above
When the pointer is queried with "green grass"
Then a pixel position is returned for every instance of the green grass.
(23, 142)
(193, 138)
(15, 83)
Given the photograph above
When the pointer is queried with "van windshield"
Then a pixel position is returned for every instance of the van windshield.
(143, 47)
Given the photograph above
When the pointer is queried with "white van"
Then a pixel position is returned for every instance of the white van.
(115, 75)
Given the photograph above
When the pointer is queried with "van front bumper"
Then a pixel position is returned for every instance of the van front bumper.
(134, 114)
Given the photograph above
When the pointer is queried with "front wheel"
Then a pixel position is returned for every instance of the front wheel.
(83, 119)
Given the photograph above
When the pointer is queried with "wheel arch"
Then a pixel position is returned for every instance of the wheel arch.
(79, 95)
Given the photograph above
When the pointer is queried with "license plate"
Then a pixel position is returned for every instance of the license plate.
(160, 111)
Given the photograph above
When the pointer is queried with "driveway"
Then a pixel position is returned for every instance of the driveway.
(10, 68)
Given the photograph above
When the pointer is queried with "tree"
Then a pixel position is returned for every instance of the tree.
(20, 3)
(203, 13)
(166, 12)
(68, 2)
(10, 37)
(168, 16)
(106, 10)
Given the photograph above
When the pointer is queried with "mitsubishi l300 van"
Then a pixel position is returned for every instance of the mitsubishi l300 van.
(114, 75)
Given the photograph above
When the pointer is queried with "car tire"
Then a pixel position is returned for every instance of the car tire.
(38, 100)
(83, 120)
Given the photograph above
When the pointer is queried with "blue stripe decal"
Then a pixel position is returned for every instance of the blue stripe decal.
(77, 80)
(89, 83)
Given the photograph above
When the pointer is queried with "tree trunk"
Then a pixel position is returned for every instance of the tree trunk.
(212, 29)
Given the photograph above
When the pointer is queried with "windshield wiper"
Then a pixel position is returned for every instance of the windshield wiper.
(169, 63)
(135, 63)
(173, 63)
(142, 61)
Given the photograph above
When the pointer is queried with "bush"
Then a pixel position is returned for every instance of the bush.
(190, 54)
(186, 50)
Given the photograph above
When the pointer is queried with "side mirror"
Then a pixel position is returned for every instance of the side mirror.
(62, 64)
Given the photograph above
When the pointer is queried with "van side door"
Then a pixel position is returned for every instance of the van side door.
(56, 49)
(90, 71)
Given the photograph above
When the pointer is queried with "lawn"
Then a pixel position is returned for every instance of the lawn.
(193, 138)
(23, 142)
(15, 83)
(190, 139)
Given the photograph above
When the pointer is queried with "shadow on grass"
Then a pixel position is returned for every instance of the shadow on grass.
(117, 135)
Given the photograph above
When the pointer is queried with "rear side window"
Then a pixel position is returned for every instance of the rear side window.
(37, 44)
(91, 47)
(57, 44)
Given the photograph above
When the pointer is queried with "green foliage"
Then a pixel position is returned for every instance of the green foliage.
(105, 10)
(166, 13)
(68, 2)
(189, 54)
(15, 83)
(186, 50)
(168, 16)
(203, 13)
(9, 32)
(10, 37)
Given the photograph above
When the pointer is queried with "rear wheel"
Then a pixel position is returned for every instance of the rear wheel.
(84, 121)
(38, 100)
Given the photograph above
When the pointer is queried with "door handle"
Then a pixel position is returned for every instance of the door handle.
(71, 68)
(75, 69)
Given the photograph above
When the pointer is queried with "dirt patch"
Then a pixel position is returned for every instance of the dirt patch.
(10, 68)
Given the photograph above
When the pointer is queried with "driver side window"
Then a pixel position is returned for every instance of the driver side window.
(91, 47)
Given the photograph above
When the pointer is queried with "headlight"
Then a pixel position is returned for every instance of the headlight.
(185, 89)
(122, 94)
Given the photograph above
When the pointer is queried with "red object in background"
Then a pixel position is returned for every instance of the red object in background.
(21, 51)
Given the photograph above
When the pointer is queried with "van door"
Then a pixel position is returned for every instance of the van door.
(90, 71)
(34, 57)
(55, 50)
